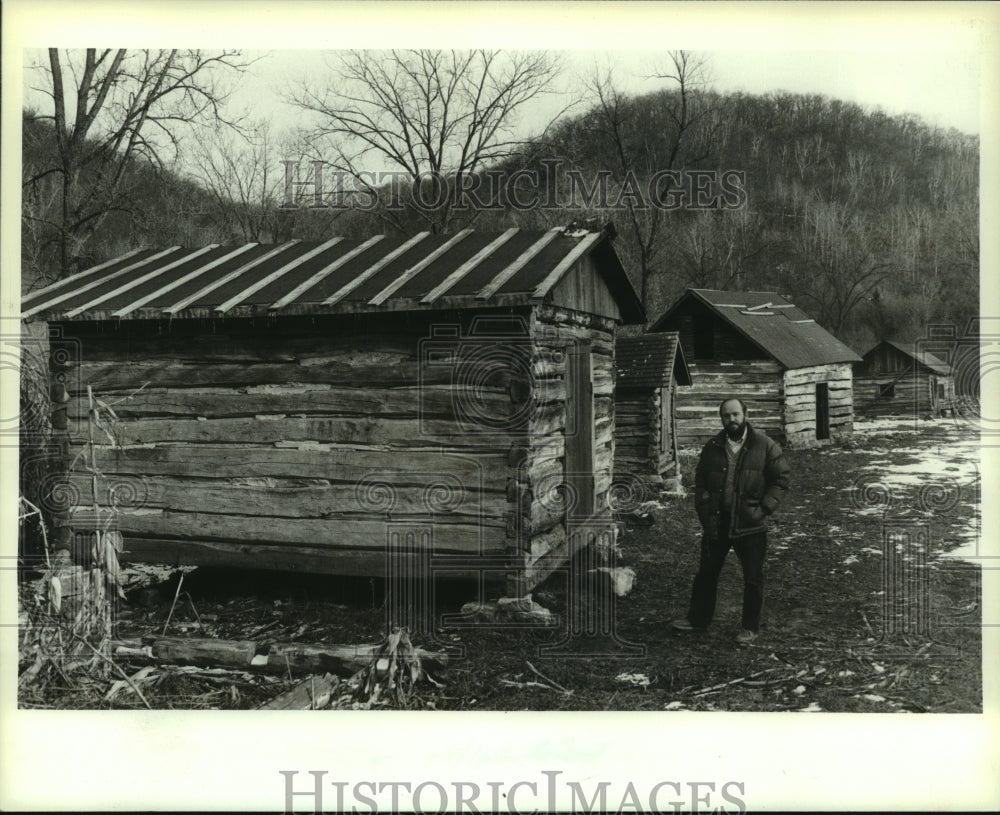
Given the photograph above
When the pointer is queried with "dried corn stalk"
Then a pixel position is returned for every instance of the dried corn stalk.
(391, 675)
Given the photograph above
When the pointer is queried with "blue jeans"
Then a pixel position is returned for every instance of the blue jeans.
(750, 550)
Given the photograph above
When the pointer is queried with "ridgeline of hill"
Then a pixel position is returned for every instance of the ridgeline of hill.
(870, 222)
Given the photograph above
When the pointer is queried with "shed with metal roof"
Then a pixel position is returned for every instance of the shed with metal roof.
(650, 367)
(794, 375)
(900, 379)
(304, 406)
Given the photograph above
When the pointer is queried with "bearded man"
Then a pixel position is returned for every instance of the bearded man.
(740, 480)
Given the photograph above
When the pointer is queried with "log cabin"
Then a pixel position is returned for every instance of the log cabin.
(322, 406)
(897, 379)
(793, 375)
(650, 367)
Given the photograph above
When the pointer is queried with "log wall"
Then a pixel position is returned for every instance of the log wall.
(902, 394)
(800, 404)
(757, 382)
(645, 434)
(285, 443)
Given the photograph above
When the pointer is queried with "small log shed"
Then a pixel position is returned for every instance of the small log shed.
(794, 376)
(650, 367)
(899, 379)
(298, 406)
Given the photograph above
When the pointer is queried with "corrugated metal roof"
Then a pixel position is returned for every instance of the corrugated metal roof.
(779, 328)
(650, 361)
(922, 357)
(423, 271)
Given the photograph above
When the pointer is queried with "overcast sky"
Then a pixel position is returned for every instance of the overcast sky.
(942, 88)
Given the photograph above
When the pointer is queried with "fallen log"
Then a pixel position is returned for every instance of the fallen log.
(343, 660)
(311, 694)
(291, 658)
(204, 652)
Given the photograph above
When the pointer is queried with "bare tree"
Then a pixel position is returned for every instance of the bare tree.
(841, 263)
(716, 250)
(671, 132)
(243, 174)
(434, 117)
(111, 110)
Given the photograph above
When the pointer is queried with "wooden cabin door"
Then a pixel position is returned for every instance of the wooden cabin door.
(822, 410)
(580, 462)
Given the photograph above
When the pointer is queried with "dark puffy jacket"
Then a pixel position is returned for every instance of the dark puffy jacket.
(761, 481)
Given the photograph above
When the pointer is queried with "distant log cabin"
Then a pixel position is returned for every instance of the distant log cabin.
(299, 406)
(794, 376)
(896, 379)
(650, 367)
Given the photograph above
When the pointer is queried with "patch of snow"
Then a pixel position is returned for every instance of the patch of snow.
(673, 706)
(850, 559)
(812, 708)
(640, 680)
(871, 697)
(799, 690)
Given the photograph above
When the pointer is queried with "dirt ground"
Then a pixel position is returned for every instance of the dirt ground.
(840, 632)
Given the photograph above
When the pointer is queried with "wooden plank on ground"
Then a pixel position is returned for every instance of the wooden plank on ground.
(311, 693)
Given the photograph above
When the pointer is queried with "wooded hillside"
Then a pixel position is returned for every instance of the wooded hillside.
(868, 221)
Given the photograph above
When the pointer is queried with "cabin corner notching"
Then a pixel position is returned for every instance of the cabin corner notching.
(299, 406)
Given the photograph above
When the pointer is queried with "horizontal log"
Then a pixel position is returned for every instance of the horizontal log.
(204, 652)
(261, 344)
(432, 401)
(342, 660)
(368, 369)
(279, 497)
(450, 534)
(559, 318)
(336, 464)
(398, 433)
(823, 373)
(627, 432)
(741, 381)
(304, 559)
(295, 658)
(743, 364)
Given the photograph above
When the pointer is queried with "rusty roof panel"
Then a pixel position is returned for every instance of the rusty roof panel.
(439, 269)
(133, 293)
(82, 279)
(317, 277)
(539, 266)
(109, 280)
(496, 263)
(253, 275)
(193, 286)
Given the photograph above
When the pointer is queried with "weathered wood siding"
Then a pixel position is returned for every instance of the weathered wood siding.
(800, 404)
(285, 443)
(542, 509)
(903, 394)
(635, 432)
(757, 382)
(645, 434)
